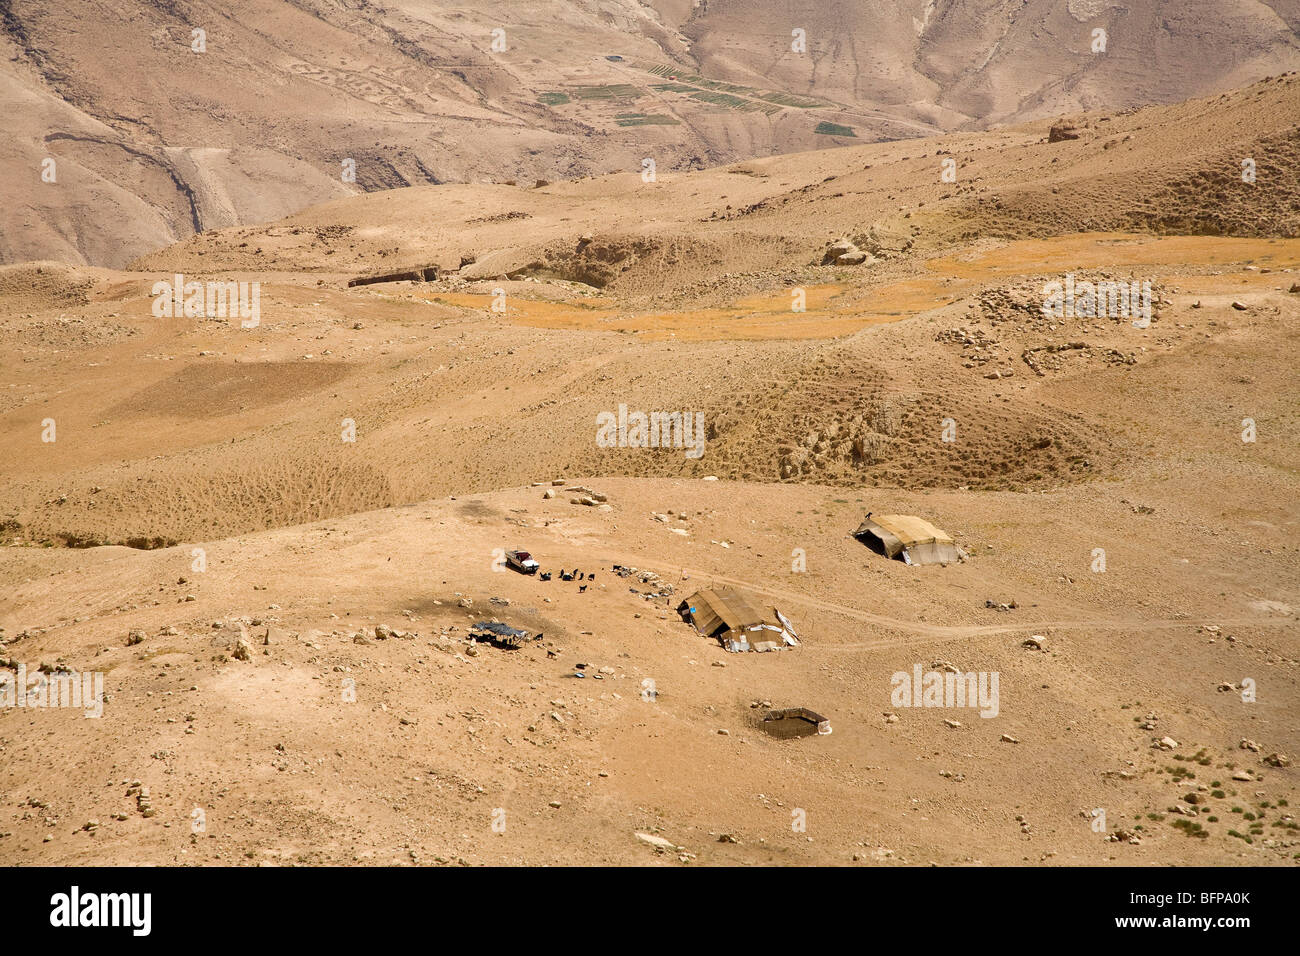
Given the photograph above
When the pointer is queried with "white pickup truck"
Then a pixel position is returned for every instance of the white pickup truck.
(521, 561)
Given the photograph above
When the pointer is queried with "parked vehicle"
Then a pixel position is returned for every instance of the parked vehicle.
(521, 561)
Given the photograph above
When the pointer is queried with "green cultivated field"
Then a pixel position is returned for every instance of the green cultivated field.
(834, 129)
(645, 119)
(727, 96)
(609, 91)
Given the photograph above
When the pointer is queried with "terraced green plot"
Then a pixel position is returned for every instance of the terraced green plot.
(645, 119)
(786, 99)
(725, 100)
(834, 129)
(608, 91)
(772, 102)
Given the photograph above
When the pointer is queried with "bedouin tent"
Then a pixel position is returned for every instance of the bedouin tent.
(731, 617)
(913, 539)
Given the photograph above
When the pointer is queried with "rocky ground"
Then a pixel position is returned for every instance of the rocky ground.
(271, 542)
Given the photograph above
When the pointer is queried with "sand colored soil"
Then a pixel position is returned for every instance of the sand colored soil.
(271, 541)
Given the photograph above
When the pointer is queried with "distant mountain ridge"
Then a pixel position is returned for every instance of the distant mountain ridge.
(132, 125)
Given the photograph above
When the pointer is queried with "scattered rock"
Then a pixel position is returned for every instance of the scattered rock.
(845, 252)
(658, 842)
(143, 802)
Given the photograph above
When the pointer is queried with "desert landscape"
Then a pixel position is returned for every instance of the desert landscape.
(166, 118)
(279, 533)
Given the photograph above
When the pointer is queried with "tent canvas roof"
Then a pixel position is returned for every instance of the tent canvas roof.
(737, 621)
(723, 608)
(908, 529)
(918, 541)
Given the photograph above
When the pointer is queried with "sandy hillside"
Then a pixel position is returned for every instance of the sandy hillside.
(164, 119)
(356, 722)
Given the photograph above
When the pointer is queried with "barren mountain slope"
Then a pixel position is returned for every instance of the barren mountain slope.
(674, 302)
(152, 141)
(1175, 169)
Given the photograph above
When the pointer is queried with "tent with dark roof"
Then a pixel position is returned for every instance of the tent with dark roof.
(736, 621)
